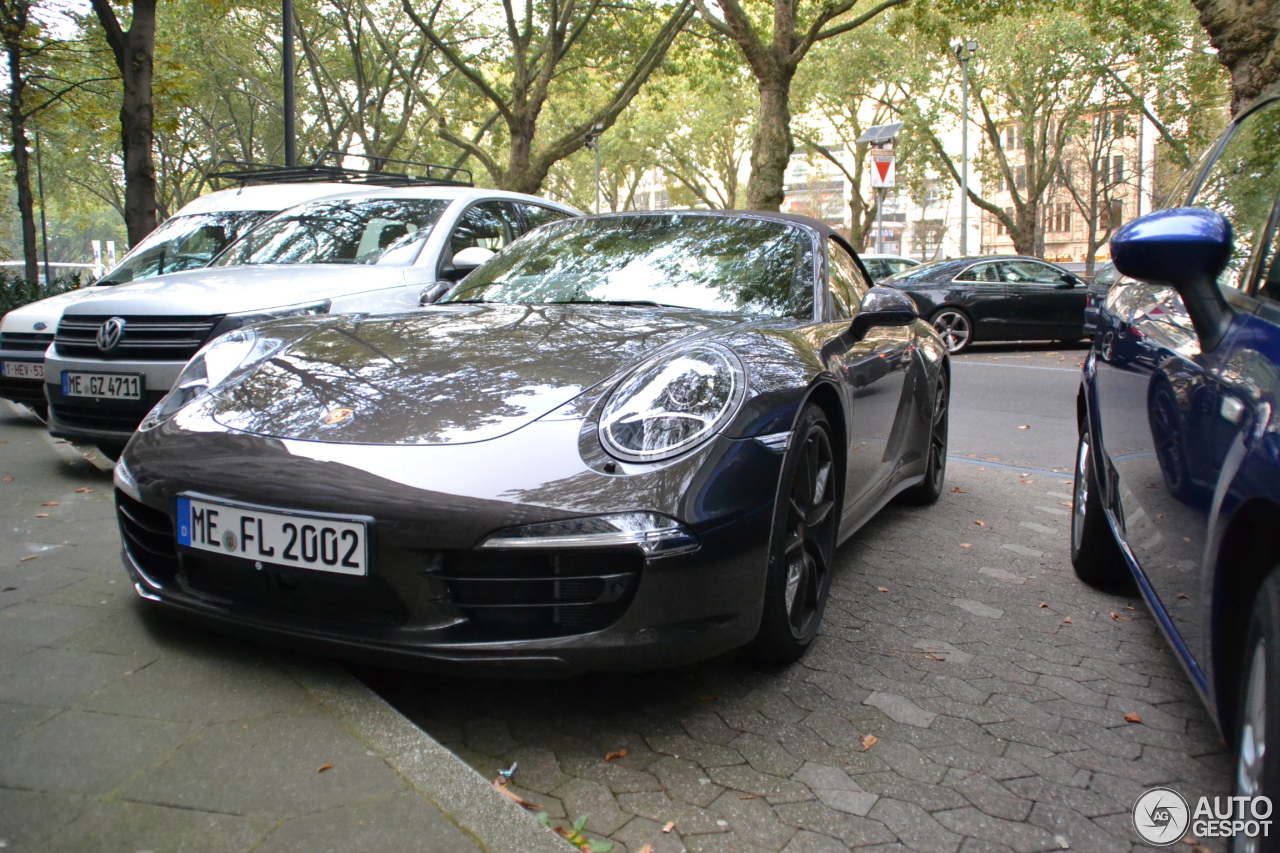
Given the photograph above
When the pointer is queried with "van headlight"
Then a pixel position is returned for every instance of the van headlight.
(672, 403)
(231, 322)
(207, 369)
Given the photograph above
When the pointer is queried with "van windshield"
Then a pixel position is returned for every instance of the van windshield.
(184, 243)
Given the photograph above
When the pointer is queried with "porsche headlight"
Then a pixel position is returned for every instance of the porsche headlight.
(672, 403)
(216, 361)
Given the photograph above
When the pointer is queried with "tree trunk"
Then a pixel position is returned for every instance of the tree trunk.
(1247, 36)
(772, 146)
(134, 52)
(136, 118)
(1024, 233)
(21, 159)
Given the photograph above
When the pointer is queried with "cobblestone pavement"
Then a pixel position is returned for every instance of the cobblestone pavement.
(996, 683)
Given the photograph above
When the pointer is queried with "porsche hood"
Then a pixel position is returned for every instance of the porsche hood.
(448, 374)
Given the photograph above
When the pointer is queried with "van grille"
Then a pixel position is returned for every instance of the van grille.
(143, 338)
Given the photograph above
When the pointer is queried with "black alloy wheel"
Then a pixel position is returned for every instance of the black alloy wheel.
(1095, 554)
(930, 489)
(1257, 733)
(803, 544)
(954, 327)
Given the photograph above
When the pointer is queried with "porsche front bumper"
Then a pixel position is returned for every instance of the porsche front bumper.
(432, 599)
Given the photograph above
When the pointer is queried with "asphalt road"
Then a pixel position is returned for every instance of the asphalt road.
(1015, 404)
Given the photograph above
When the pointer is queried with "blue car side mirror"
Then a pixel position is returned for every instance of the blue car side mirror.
(1185, 248)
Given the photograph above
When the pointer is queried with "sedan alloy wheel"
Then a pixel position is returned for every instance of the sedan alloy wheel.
(955, 329)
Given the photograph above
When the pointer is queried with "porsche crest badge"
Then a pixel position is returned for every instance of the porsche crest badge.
(337, 416)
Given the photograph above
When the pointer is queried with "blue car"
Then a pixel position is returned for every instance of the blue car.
(1177, 481)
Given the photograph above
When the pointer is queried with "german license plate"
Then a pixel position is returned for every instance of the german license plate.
(112, 386)
(322, 543)
(22, 369)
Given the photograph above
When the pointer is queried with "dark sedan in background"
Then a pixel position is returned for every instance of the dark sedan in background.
(625, 442)
(996, 298)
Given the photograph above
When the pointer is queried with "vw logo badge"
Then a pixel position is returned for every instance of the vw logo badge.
(109, 334)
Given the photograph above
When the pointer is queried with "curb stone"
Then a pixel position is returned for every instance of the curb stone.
(497, 824)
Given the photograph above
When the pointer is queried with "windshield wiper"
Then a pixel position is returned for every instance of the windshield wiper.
(622, 302)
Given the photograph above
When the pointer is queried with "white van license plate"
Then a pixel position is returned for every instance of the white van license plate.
(112, 386)
(22, 369)
(338, 545)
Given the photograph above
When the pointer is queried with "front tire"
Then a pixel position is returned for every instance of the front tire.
(954, 327)
(1258, 711)
(1095, 554)
(803, 543)
(928, 491)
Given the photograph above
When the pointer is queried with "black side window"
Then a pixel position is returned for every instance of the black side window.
(1269, 262)
(490, 225)
(981, 272)
(536, 215)
(846, 281)
(1241, 185)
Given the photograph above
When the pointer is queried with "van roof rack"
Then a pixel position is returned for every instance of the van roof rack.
(427, 174)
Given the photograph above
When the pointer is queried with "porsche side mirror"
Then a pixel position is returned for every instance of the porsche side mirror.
(432, 292)
(884, 306)
(1185, 248)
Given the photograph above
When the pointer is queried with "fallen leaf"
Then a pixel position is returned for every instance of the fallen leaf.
(965, 545)
(956, 489)
(1042, 604)
(1066, 621)
(621, 753)
(49, 503)
(1064, 503)
(8, 589)
(981, 523)
(1152, 486)
(869, 741)
(748, 797)
(648, 848)
(8, 479)
(1131, 717)
(671, 824)
(1027, 482)
(1116, 617)
(1130, 607)
(42, 515)
(82, 491)
(501, 785)
(1182, 595)
(1186, 539)
(1025, 426)
(883, 588)
(29, 557)
(1159, 515)
(324, 767)
(931, 657)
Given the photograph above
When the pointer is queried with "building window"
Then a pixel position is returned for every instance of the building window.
(1060, 218)
(1117, 169)
(1112, 216)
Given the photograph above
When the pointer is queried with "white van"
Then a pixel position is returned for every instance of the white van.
(187, 240)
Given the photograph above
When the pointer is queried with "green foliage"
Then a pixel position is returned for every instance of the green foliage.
(16, 291)
(576, 836)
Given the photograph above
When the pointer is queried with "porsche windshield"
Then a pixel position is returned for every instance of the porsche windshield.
(184, 243)
(381, 231)
(707, 262)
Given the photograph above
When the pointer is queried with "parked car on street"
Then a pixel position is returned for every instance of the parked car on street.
(880, 267)
(996, 298)
(187, 240)
(117, 353)
(1177, 482)
(626, 442)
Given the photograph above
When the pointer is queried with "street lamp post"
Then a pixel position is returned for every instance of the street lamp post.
(964, 50)
(593, 142)
(286, 34)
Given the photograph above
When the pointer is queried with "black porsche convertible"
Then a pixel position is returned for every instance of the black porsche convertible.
(625, 442)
